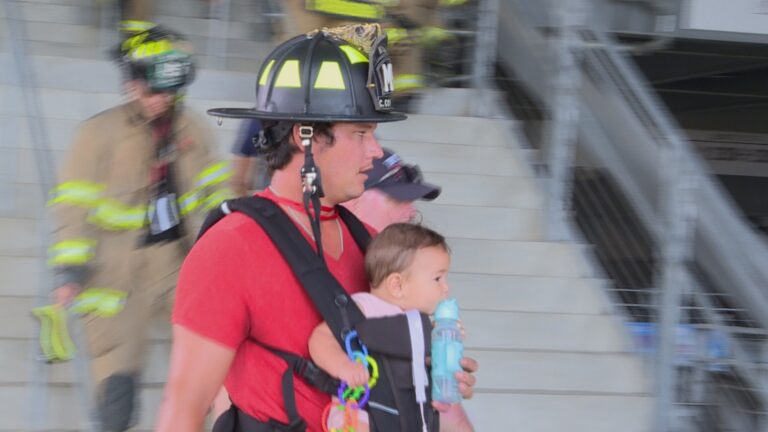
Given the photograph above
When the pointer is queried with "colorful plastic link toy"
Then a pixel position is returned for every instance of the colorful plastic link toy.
(351, 400)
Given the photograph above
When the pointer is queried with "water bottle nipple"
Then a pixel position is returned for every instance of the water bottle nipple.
(447, 309)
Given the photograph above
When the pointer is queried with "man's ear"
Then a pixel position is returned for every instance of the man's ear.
(394, 285)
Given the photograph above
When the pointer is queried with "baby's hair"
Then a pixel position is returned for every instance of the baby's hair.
(393, 249)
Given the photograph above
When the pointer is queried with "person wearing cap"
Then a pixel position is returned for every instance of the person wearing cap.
(249, 171)
(390, 191)
(241, 313)
(135, 185)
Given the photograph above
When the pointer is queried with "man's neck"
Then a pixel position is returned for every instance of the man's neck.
(286, 182)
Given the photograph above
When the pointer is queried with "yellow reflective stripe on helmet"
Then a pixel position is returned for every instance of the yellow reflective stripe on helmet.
(289, 76)
(214, 174)
(71, 252)
(347, 8)
(188, 202)
(408, 82)
(329, 76)
(265, 74)
(213, 200)
(395, 35)
(354, 55)
(151, 49)
(76, 192)
(114, 215)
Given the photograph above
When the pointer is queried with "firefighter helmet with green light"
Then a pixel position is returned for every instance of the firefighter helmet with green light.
(325, 76)
(158, 56)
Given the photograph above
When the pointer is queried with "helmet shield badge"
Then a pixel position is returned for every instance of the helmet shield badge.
(171, 71)
(380, 77)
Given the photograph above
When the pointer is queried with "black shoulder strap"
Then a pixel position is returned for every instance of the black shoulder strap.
(356, 228)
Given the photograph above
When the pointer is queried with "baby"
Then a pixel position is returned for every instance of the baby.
(407, 265)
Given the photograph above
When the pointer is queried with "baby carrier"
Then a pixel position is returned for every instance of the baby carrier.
(393, 403)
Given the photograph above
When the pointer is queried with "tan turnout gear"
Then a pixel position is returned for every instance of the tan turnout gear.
(101, 210)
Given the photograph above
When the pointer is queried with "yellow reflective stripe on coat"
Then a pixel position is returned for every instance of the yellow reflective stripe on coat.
(347, 8)
(114, 215)
(214, 174)
(76, 192)
(213, 200)
(189, 202)
(395, 35)
(408, 82)
(71, 252)
(103, 302)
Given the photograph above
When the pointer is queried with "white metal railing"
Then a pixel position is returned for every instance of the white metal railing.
(625, 131)
(38, 391)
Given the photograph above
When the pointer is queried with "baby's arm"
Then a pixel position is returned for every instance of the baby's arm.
(328, 355)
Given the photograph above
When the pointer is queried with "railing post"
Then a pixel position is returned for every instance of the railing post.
(678, 213)
(565, 115)
(485, 54)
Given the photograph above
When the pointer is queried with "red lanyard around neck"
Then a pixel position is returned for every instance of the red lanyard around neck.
(326, 212)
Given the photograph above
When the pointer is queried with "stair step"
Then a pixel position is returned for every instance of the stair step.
(449, 130)
(543, 331)
(17, 322)
(460, 159)
(507, 293)
(518, 258)
(499, 223)
(21, 237)
(21, 275)
(486, 191)
(616, 373)
(64, 411)
(79, 34)
(72, 14)
(15, 364)
(543, 412)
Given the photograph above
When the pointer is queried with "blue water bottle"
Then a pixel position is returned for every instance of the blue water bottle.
(447, 351)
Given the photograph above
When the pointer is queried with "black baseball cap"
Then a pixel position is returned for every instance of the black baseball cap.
(400, 180)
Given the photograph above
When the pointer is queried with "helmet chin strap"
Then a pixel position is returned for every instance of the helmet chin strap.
(311, 185)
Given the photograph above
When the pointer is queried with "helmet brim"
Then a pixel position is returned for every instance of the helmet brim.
(263, 115)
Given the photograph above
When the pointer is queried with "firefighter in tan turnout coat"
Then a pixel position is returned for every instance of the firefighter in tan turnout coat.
(139, 179)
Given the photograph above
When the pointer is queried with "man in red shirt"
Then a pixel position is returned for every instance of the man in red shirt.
(236, 293)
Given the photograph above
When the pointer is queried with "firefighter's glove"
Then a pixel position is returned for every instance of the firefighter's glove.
(55, 342)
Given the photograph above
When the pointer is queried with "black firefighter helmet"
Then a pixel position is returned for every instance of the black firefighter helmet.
(330, 75)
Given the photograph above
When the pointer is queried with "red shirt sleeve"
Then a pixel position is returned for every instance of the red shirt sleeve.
(210, 299)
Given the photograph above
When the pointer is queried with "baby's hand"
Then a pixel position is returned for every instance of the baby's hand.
(354, 374)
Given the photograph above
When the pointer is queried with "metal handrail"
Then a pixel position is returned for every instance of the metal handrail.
(38, 394)
(625, 128)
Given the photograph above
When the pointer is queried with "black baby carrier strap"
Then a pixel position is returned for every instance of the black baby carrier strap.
(337, 308)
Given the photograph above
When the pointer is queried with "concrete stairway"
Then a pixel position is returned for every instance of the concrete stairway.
(552, 355)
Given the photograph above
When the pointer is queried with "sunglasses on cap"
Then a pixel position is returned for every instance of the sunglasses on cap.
(401, 174)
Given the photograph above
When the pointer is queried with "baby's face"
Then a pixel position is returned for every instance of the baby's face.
(424, 282)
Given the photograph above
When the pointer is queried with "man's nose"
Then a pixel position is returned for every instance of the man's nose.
(374, 148)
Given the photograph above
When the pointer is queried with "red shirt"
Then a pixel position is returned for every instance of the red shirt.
(235, 287)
